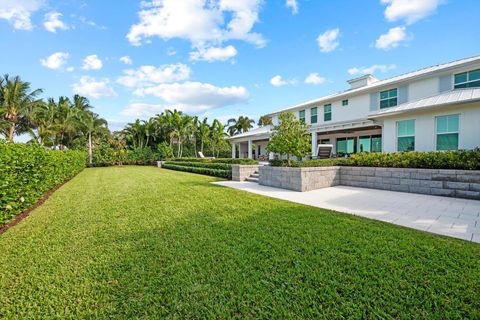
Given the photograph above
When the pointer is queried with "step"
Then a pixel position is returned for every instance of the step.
(252, 179)
(254, 175)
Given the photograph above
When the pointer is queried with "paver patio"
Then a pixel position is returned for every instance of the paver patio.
(459, 218)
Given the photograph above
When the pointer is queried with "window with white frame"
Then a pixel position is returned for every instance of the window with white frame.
(301, 115)
(447, 132)
(406, 135)
(388, 98)
(470, 79)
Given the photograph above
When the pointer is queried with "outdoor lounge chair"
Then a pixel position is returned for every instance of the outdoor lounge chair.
(324, 151)
(200, 154)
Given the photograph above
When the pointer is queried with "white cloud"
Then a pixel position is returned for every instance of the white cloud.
(196, 96)
(391, 39)
(212, 54)
(293, 5)
(278, 81)
(19, 12)
(171, 52)
(202, 22)
(92, 62)
(146, 76)
(55, 61)
(90, 87)
(410, 10)
(328, 41)
(126, 60)
(52, 22)
(315, 79)
(70, 69)
(145, 109)
(372, 69)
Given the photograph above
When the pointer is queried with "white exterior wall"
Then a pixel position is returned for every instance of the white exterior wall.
(423, 89)
(425, 132)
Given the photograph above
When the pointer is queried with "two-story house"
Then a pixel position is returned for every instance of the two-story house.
(431, 109)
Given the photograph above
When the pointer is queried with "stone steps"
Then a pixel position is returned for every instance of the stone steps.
(253, 177)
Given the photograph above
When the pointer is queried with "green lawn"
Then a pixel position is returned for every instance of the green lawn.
(143, 242)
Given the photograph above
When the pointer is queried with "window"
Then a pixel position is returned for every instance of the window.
(370, 144)
(447, 132)
(301, 115)
(469, 79)
(327, 112)
(325, 141)
(313, 115)
(345, 145)
(388, 98)
(345, 102)
(406, 135)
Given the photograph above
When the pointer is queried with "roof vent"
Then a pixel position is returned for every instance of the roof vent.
(362, 81)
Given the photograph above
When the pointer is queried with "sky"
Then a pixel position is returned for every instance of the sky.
(223, 58)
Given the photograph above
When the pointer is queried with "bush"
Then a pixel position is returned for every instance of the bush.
(219, 160)
(462, 160)
(165, 151)
(227, 174)
(220, 166)
(104, 155)
(29, 171)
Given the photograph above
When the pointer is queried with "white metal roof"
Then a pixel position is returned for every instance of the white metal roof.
(265, 130)
(386, 82)
(456, 96)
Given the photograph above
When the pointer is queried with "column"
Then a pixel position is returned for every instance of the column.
(240, 151)
(233, 150)
(314, 144)
(250, 156)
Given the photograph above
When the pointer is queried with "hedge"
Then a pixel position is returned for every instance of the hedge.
(219, 160)
(27, 172)
(219, 166)
(461, 160)
(227, 174)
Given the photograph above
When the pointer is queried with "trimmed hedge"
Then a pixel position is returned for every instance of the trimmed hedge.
(461, 160)
(227, 174)
(219, 166)
(29, 171)
(219, 160)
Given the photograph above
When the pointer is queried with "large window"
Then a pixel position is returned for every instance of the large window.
(388, 98)
(313, 115)
(406, 135)
(469, 79)
(447, 132)
(345, 145)
(301, 115)
(370, 144)
(327, 112)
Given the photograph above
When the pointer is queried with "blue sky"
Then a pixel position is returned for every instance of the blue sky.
(223, 58)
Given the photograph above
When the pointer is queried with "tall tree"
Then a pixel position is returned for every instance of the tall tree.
(17, 101)
(240, 125)
(264, 121)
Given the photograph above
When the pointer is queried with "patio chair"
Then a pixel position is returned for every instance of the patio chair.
(324, 151)
(200, 154)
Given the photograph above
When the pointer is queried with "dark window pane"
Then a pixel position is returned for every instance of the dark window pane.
(406, 144)
(474, 75)
(447, 141)
(460, 86)
(392, 102)
(376, 144)
(383, 104)
(383, 95)
(461, 77)
(392, 93)
(313, 119)
(327, 116)
(473, 84)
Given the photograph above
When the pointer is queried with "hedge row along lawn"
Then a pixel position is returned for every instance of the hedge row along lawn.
(221, 170)
(462, 160)
(28, 172)
(143, 242)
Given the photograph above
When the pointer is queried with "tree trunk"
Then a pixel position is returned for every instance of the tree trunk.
(201, 146)
(178, 148)
(11, 133)
(90, 148)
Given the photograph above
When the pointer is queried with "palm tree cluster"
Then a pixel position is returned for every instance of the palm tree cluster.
(240, 125)
(58, 124)
(179, 130)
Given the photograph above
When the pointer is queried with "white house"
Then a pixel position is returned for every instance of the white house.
(435, 108)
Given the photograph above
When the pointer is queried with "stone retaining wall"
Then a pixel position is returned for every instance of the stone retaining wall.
(450, 183)
(242, 172)
(299, 179)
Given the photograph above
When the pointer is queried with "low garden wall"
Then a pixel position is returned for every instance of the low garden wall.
(299, 179)
(242, 172)
(438, 182)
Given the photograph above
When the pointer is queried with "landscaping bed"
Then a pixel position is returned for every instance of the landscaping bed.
(221, 168)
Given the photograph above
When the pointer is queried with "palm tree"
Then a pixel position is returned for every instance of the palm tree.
(203, 132)
(43, 120)
(240, 125)
(93, 125)
(16, 103)
(264, 121)
(218, 136)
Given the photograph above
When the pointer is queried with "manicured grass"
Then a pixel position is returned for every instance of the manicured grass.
(143, 242)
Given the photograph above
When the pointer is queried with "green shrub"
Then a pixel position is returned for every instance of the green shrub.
(227, 174)
(220, 166)
(105, 155)
(29, 171)
(219, 160)
(165, 151)
(462, 160)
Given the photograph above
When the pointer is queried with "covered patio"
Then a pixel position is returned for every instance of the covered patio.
(252, 144)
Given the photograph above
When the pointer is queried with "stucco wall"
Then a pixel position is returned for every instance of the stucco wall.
(425, 134)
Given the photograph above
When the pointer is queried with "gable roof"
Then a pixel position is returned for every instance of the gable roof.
(424, 72)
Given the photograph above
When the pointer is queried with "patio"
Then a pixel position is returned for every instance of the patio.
(458, 218)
